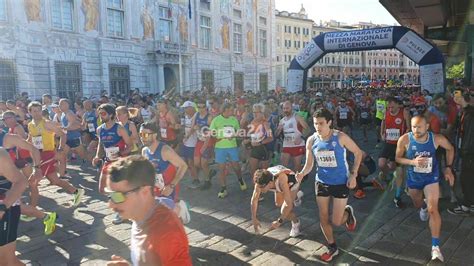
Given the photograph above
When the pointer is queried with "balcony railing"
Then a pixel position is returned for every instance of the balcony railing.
(167, 47)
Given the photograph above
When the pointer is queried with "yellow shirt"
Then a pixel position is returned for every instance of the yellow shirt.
(41, 138)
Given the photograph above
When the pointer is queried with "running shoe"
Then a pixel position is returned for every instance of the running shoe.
(351, 222)
(184, 212)
(49, 222)
(436, 254)
(242, 184)
(376, 184)
(117, 219)
(329, 254)
(295, 229)
(26, 218)
(459, 210)
(222, 194)
(359, 194)
(77, 197)
(398, 203)
(424, 214)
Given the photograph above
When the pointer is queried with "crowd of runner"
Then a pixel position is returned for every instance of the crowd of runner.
(144, 145)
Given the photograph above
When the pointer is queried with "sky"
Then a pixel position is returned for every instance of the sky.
(349, 11)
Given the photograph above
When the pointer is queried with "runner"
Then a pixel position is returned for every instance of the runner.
(292, 127)
(417, 150)
(367, 167)
(41, 135)
(283, 183)
(393, 126)
(344, 115)
(124, 114)
(365, 115)
(189, 141)
(380, 108)
(12, 185)
(203, 149)
(166, 121)
(157, 236)
(225, 128)
(333, 179)
(170, 168)
(89, 123)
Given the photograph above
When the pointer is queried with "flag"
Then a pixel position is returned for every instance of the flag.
(189, 9)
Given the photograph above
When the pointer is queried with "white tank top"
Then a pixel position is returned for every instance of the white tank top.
(291, 133)
(192, 140)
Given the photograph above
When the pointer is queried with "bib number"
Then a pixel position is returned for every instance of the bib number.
(112, 153)
(343, 115)
(228, 132)
(326, 159)
(392, 134)
(426, 169)
(159, 181)
(91, 127)
(164, 133)
(290, 136)
(38, 142)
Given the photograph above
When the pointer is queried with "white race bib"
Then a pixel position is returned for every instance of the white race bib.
(229, 132)
(159, 181)
(343, 115)
(290, 136)
(428, 168)
(38, 142)
(164, 133)
(91, 127)
(112, 153)
(200, 135)
(326, 159)
(392, 134)
(380, 107)
(364, 115)
(255, 137)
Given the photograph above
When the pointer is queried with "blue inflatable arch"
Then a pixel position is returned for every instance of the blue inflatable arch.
(415, 47)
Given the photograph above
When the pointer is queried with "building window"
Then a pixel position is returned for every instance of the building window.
(166, 24)
(262, 21)
(119, 77)
(3, 10)
(207, 77)
(237, 13)
(205, 27)
(263, 43)
(205, 5)
(278, 42)
(115, 18)
(7, 80)
(68, 79)
(263, 81)
(238, 81)
(237, 38)
(62, 14)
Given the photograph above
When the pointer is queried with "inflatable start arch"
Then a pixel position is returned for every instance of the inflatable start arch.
(415, 47)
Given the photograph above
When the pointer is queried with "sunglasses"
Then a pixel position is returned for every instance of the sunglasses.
(118, 197)
(146, 135)
(103, 113)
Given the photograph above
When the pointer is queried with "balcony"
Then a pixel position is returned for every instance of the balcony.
(162, 47)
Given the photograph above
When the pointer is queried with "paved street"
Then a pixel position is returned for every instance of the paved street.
(220, 232)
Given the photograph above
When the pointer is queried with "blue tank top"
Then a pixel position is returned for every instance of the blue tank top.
(2, 136)
(330, 157)
(109, 137)
(202, 122)
(91, 118)
(71, 134)
(156, 159)
(127, 127)
(426, 149)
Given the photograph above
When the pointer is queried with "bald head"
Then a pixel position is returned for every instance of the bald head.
(287, 108)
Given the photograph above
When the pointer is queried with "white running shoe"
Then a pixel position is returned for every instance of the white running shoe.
(295, 229)
(298, 199)
(424, 214)
(436, 254)
(184, 212)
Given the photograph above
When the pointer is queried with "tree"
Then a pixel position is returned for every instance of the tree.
(455, 71)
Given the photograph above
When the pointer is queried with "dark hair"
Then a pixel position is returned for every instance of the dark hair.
(109, 108)
(48, 96)
(136, 170)
(421, 117)
(150, 126)
(393, 100)
(323, 113)
(262, 177)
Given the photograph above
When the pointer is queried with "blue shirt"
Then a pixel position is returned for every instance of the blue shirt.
(330, 157)
(426, 149)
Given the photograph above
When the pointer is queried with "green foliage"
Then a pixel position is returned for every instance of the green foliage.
(455, 71)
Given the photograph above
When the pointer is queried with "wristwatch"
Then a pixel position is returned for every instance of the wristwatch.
(3, 208)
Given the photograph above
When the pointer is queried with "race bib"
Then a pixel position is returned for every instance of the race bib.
(392, 134)
(164, 133)
(255, 137)
(38, 142)
(428, 168)
(343, 115)
(229, 132)
(159, 181)
(91, 127)
(290, 136)
(112, 153)
(187, 130)
(380, 107)
(200, 135)
(364, 115)
(326, 159)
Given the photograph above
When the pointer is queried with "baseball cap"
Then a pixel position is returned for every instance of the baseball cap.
(188, 104)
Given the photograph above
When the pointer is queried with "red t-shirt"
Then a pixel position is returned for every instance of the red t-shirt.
(161, 240)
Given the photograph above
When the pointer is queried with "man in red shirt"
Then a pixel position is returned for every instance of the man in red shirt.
(157, 236)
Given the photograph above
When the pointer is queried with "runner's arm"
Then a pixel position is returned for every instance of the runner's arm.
(444, 143)
(122, 132)
(401, 149)
(286, 210)
(54, 127)
(72, 122)
(303, 124)
(349, 144)
(171, 156)
(100, 148)
(12, 174)
(254, 201)
(17, 141)
(269, 137)
(309, 162)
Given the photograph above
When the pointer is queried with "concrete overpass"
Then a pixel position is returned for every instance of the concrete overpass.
(448, 23)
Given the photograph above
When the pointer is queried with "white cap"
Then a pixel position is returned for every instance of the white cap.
(188, 104)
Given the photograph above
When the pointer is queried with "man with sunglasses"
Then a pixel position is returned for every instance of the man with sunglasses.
(42, 135)
(157, 235)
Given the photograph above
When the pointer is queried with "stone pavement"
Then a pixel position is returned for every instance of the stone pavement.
(221, 233)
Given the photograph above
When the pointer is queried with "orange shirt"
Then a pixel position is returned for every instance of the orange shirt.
(161, 240)
(435, 124)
